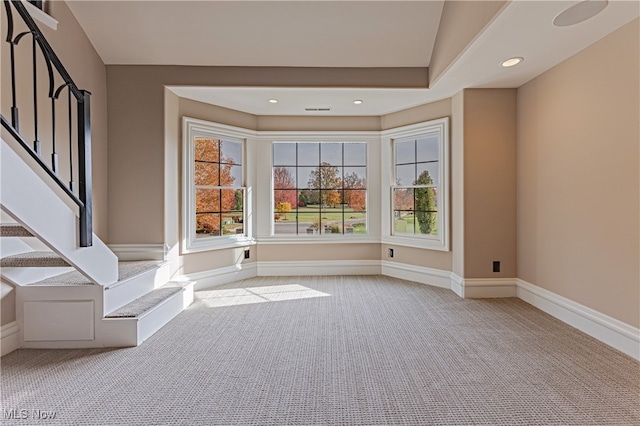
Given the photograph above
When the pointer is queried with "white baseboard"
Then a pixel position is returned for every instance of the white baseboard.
(319, 267)
(421, 274)
(608, 330)
(478, 288)
(9, 340)
(215, 277)
(129, 252)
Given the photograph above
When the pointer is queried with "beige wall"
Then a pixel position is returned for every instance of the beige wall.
(88, 71)
(418, 257)
(489, 182)
(457, 184)
(136, 125)
(430, 111)
(8, 308)
(578, 177)
(301, 252)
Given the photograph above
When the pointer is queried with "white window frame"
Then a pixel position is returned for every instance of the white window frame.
(191, 129)
(373, 194)
(438, 128)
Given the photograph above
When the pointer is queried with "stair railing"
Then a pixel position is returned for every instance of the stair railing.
(79, 135)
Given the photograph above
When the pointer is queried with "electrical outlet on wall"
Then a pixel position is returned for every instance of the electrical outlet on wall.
(390, 252)
(247, 254)
(496, 266)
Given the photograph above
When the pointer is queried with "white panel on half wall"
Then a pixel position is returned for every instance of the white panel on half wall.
(58, 320)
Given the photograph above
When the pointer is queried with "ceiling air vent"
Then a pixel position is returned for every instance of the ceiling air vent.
(317, 109)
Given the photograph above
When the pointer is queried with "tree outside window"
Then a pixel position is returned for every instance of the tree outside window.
(325, 185)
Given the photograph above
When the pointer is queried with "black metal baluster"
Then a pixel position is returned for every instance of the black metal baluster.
(14, 108)
(36, 143)
(71, 184)
(54, 154)
(84, 169)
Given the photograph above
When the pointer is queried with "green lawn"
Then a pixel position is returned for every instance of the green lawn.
(307, 214)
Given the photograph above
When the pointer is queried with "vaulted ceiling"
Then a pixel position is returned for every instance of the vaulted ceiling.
(454, 44)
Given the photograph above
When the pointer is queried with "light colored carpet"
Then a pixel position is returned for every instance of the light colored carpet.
(34, 259)
(126, 270)
(336, 351)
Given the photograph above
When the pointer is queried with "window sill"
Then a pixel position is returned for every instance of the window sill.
(421, 243)
(199, 246)
(317, 240)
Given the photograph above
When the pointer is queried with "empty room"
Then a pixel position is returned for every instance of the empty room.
(320, 212)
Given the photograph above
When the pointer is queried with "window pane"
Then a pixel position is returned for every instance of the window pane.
(231, 152)
(426, 223)
(284, 154)
(403, 199)
(285, 223)
(331, 198)
(403, 222)
(230, 175)
(331, 153)
(426, 211)
(355, 154)
(405, 152)
(206, 150)
(406, 174)
(284, 177)
(428, 149)
(284, 200)
(308, 177)
(428, 174)
(231, 200)
(207, 200)
(355, 203)
(207, 225)
(308, 222)
(308, 154)
(331, 177)
(355, 177)
(232, 223)
(206, 174)
(310, 198)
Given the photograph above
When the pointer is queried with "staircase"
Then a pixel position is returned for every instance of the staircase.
(69, 296)
(70, 289)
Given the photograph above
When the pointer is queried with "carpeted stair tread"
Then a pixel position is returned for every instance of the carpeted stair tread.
(147, 302)
(34, 259)
(126, 270)
(13, 230)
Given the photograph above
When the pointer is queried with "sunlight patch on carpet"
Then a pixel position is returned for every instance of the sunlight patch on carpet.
(246, 296)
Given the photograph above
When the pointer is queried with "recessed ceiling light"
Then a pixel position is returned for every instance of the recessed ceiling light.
(580, 12)
(357, 102)
(512, 62)
(273, 101)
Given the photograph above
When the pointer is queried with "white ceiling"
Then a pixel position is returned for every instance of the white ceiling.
(335, 34)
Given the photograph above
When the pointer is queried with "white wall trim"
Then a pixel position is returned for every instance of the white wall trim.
(215, 277)
(457, 284)
(421, 274)
(478, 288)
(319, 267)
(611, 331)
(128, 252)
(9, 341)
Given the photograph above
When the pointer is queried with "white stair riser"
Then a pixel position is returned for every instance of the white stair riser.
(119, 332)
